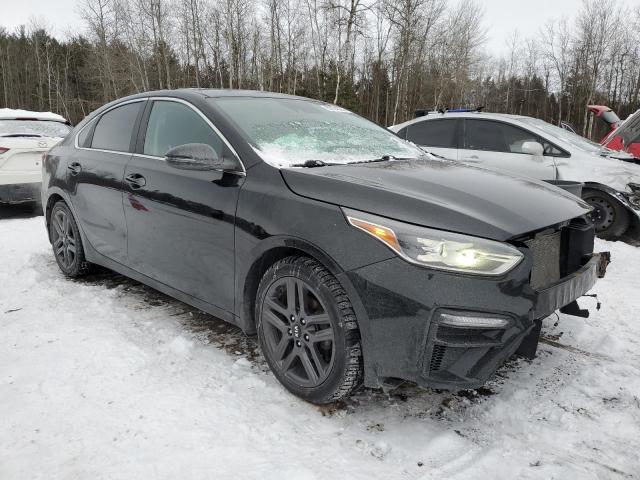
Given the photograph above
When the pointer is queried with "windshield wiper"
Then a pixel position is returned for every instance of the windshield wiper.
(383, 158)
(321, 163)
(314, 164)
(436, 155)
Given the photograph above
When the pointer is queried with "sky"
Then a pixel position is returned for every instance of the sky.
(502, 17)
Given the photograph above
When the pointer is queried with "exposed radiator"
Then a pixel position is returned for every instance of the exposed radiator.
(546, 249)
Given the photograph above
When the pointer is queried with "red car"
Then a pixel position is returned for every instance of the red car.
(626, 137)
(607, 117)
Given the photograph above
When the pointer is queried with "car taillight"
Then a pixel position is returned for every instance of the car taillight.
(3, 149)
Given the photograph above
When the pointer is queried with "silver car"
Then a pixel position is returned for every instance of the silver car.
(534, 148)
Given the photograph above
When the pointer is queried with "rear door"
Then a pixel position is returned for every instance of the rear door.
(439, 136)
(95, 175)
(499, 145)
(180, 223)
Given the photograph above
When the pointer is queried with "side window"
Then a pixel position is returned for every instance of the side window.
(172, 124)
(114, 129)
(496, 136)
(551, 150)
(434, 133)
(83, 137)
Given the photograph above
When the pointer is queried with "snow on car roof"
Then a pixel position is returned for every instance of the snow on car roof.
(10, 114)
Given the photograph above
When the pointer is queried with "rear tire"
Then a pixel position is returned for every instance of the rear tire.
(67, 242)
(610, 218)
(308, 331)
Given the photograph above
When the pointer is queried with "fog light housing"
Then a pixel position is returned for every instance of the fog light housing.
(472, 321)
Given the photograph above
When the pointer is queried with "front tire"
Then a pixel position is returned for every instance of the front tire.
(66, 241)
(308, 331)
(609, 216)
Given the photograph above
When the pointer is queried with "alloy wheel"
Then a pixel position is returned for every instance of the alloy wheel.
(64, 240)
(299, 335)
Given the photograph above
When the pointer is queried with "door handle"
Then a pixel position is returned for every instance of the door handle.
(135, 180)
(75, 168)
(472, 157)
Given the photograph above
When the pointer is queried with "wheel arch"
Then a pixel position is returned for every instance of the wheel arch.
(634, 217)
(603, 188)
(273, 250)
(54, 197)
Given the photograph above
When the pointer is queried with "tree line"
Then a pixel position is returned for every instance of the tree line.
(380, 58)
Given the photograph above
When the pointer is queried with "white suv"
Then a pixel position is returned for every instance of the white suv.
(24, 137)
(534, 148)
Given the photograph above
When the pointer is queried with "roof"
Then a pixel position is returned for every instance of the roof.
(11, 114)
(213, 92)
(186, 93)
(193, 94)
(431, 116)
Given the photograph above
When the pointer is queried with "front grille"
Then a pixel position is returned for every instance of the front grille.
(546, 250)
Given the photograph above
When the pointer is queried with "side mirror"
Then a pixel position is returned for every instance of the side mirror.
(533, 148)
(197, 156)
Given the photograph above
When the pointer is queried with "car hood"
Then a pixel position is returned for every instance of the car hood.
(588, 167)
(440, 194)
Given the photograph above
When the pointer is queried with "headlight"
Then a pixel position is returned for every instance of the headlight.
(437, 248)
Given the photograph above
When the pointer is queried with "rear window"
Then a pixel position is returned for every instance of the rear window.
(33, 128)
(434, 133)
(114, 129)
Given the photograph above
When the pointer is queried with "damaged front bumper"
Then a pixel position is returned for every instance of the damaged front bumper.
(449, 331)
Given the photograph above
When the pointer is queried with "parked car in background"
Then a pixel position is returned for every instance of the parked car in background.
(608, 121)
(352, 254)
(24, 137)
(534, 148)
(626, 138)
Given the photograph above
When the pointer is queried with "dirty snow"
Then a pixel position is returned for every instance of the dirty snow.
(105, 378)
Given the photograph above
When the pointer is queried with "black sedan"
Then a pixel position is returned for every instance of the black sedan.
(355, 257)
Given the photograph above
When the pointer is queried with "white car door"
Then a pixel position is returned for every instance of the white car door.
(439, 136)
(499, 145)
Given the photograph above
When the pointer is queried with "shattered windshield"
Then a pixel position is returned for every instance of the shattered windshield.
(287, 132)
(33, 128)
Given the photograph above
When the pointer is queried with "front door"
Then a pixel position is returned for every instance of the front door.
(180, 223)
(95, 173)
(499, 145)
(439, 136)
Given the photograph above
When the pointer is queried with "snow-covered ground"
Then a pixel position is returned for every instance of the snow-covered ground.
(106, 378)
